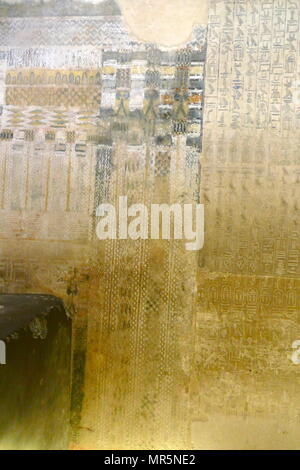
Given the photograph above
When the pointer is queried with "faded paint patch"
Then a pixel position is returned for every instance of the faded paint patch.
(168, 23)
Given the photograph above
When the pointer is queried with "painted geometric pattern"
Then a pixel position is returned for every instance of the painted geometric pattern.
(140, 94)
(87, 115)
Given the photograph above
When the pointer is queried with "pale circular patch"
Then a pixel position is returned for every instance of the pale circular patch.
(164, 22)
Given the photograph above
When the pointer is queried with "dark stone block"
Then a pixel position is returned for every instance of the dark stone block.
(35, 381)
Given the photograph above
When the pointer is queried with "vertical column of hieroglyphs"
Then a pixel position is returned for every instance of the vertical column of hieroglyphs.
(248, 310)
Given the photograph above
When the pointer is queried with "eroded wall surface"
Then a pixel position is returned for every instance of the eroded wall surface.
(171, 349)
